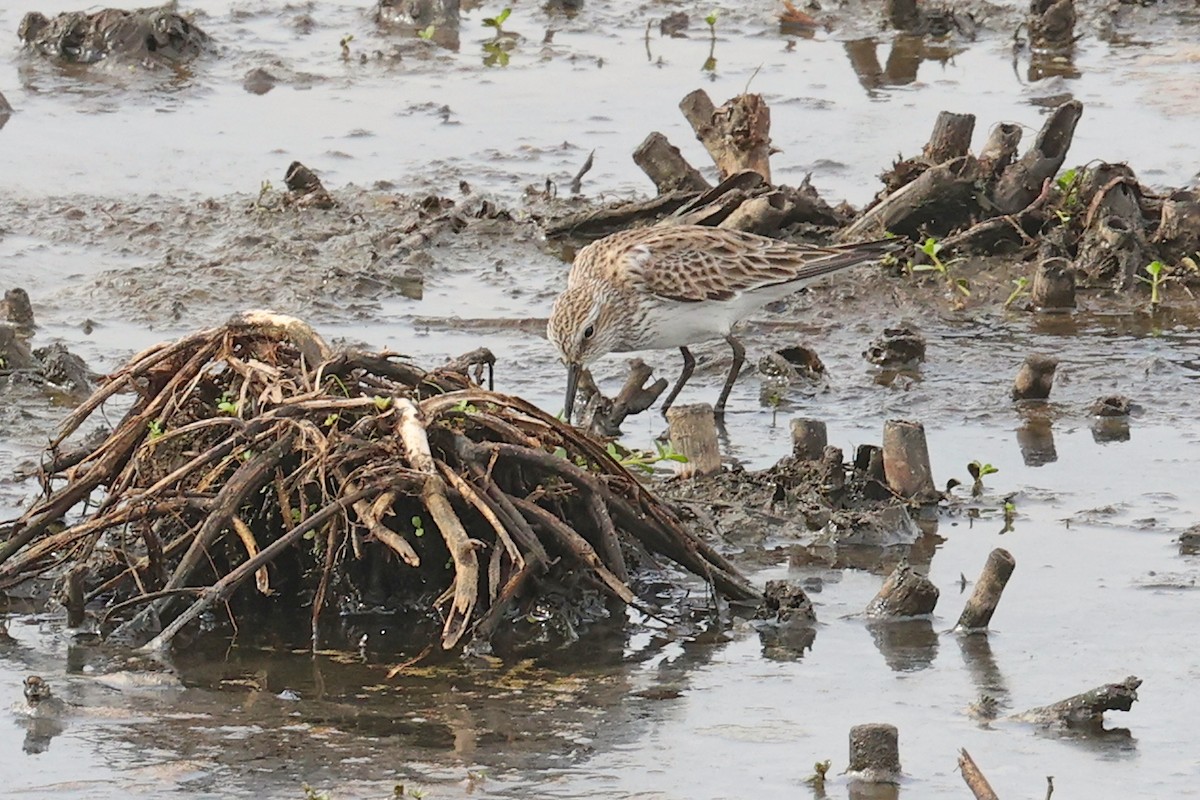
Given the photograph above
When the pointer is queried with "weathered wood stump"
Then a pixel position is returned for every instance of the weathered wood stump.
(905, 593)
(951, 137)
(737, 135)
(906, 460)
(1053, 285)
(1035, 377)
(874, 753)
(693, 433)
(809, 439)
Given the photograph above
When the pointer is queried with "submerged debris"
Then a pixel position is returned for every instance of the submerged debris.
(148, 36)
(346, 481)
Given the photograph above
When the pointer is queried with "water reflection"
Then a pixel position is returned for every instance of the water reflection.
(904, 58)
(985, 674)
(1035, 437)
(907, 645)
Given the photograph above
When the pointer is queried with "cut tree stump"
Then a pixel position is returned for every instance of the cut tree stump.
(982, 605)
(737, 135)
(665, 165)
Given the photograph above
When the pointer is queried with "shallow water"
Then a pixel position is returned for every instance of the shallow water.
(1100, 591)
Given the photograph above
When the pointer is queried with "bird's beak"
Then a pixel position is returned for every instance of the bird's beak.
(573, 371)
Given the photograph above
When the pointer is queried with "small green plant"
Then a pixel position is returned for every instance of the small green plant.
(382, 403)
(226, 405)
(312, 794)
(931, 247)
(497, 21)
(1022, 289)
(418, 526)
(464, 407)
(1157, 272)
(1010, 514)
(345, 45)
(495, 53)
(644, 460)
(426, 34)
(978, 470)
(156, 429)
(817, 779)
(710, 63)
(264, 189)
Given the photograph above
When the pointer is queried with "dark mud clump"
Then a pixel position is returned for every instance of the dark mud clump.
(151, 36)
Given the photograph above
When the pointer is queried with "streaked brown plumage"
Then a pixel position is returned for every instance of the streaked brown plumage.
(671, 286)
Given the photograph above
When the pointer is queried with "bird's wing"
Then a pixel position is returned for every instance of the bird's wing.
(690, 263)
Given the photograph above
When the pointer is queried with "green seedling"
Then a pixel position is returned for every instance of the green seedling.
(932, 248)
(1157, 272)
(496, 53)
(226, 405)
(464, 407)
(418, 526)
(817, 779)
(1022, 289)
(382, 403)
(332, 419)
(710, 63)
(1010, 514)
(978, 470)
(345, 45)
(497, 21)
(644, 460)
(312, 794)
(156, 429)
(426, 34)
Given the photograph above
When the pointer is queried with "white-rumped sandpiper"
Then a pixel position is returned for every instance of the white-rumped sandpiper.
(672, 286)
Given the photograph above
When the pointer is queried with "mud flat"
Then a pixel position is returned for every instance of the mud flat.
(1088, 489)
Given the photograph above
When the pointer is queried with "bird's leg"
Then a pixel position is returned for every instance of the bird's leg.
(739, 358)
(689, 364)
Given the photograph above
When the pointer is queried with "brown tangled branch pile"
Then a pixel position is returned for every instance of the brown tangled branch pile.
(252, 451)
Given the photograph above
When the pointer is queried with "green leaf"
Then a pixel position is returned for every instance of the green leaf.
(1155, 268)
(711, 19)
(382, 403)
(427, 33)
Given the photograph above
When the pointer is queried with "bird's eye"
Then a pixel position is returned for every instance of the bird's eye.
(589, 331)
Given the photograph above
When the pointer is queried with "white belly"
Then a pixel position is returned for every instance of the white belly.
(674, 324)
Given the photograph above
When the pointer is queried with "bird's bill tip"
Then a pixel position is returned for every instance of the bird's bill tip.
(573, 371)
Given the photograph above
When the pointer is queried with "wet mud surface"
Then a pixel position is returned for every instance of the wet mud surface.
(121, 246)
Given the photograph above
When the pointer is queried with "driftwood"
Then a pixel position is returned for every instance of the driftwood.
(1021, 182)
(982, 605)
(974, 778)
(1085, 710)
(602, 416)
(245, 440)
(737, 135)
(665, 165)
(905, 593)
(977, 202)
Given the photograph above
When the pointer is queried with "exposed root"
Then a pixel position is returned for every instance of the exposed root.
(417, 490)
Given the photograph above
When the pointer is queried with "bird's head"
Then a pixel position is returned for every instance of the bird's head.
(582, 328)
